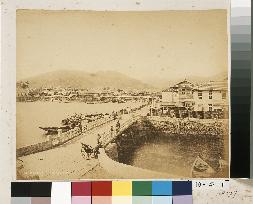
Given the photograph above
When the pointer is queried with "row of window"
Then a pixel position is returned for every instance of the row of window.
(210, 96)
(200, 96)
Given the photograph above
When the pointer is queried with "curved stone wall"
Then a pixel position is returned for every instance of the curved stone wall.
(118, 157)
(125, 171)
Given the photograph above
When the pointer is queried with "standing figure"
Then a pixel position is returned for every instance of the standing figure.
(98, 140)
(118, 126)
(99, 145)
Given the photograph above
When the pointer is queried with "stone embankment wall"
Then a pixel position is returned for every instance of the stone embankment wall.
(217, 127)
(125, 171)
(148, 129)
(61, 138)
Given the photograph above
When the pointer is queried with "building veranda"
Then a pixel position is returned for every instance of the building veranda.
(185, 99)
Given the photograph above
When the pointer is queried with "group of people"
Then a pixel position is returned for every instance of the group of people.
(86, 149)
(73, 121)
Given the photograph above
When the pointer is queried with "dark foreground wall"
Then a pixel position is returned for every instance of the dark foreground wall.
(190, 138)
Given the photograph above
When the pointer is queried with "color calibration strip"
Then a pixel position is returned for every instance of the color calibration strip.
(240, 87)
(102, 192)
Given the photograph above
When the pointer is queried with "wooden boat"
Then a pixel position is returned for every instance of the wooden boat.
(201, 169)
(54, 130)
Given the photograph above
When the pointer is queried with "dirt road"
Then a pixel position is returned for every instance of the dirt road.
(66, 161)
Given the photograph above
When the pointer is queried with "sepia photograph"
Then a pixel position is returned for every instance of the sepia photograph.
(122, 94)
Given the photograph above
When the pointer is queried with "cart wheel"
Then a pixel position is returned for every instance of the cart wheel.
(84, 154)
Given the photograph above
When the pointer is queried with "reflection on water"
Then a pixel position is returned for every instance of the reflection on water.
(32, 115)
(176, 154)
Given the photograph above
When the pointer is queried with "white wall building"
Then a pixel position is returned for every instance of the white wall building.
(209, 97)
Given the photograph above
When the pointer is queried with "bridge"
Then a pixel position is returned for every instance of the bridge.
(110, 136)
(121, 170)
(65, 160)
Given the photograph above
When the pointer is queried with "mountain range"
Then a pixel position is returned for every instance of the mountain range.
(112, 79)
(85, 80)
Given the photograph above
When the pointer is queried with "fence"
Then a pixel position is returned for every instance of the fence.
(109, 137)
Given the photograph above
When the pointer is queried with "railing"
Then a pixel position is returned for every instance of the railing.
(62, 138)
(98, 123)
(59, 139)
(53, 141)
(109, 137)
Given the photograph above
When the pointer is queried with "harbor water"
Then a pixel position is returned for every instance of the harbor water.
(32, 115)
(175, 155)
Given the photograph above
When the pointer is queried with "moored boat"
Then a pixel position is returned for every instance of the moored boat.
(201, 169)
(54, 130)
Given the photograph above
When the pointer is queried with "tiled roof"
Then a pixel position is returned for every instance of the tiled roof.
(218, 86)
(213, 85)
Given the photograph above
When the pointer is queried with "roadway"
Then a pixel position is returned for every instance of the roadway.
(66, 161)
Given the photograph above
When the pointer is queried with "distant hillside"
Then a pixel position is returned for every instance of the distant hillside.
(165, 83)
(81, 79)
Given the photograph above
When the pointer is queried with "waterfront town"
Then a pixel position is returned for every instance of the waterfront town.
(179, 111)
(95, 99)
(184, 99)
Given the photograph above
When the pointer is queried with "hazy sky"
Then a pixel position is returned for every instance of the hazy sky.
(139, 44)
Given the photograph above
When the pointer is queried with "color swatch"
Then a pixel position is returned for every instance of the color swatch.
(142, 188)
(101, 188)
(162, 188)
(81, 193)
(105, 192)
(182, 188)
(122, 188)
(31, 192)
(61, 193)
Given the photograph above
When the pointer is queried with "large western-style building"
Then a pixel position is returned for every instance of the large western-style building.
(204, 101)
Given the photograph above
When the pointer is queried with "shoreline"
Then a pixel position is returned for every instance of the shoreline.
(31, 116)
(65, 159)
